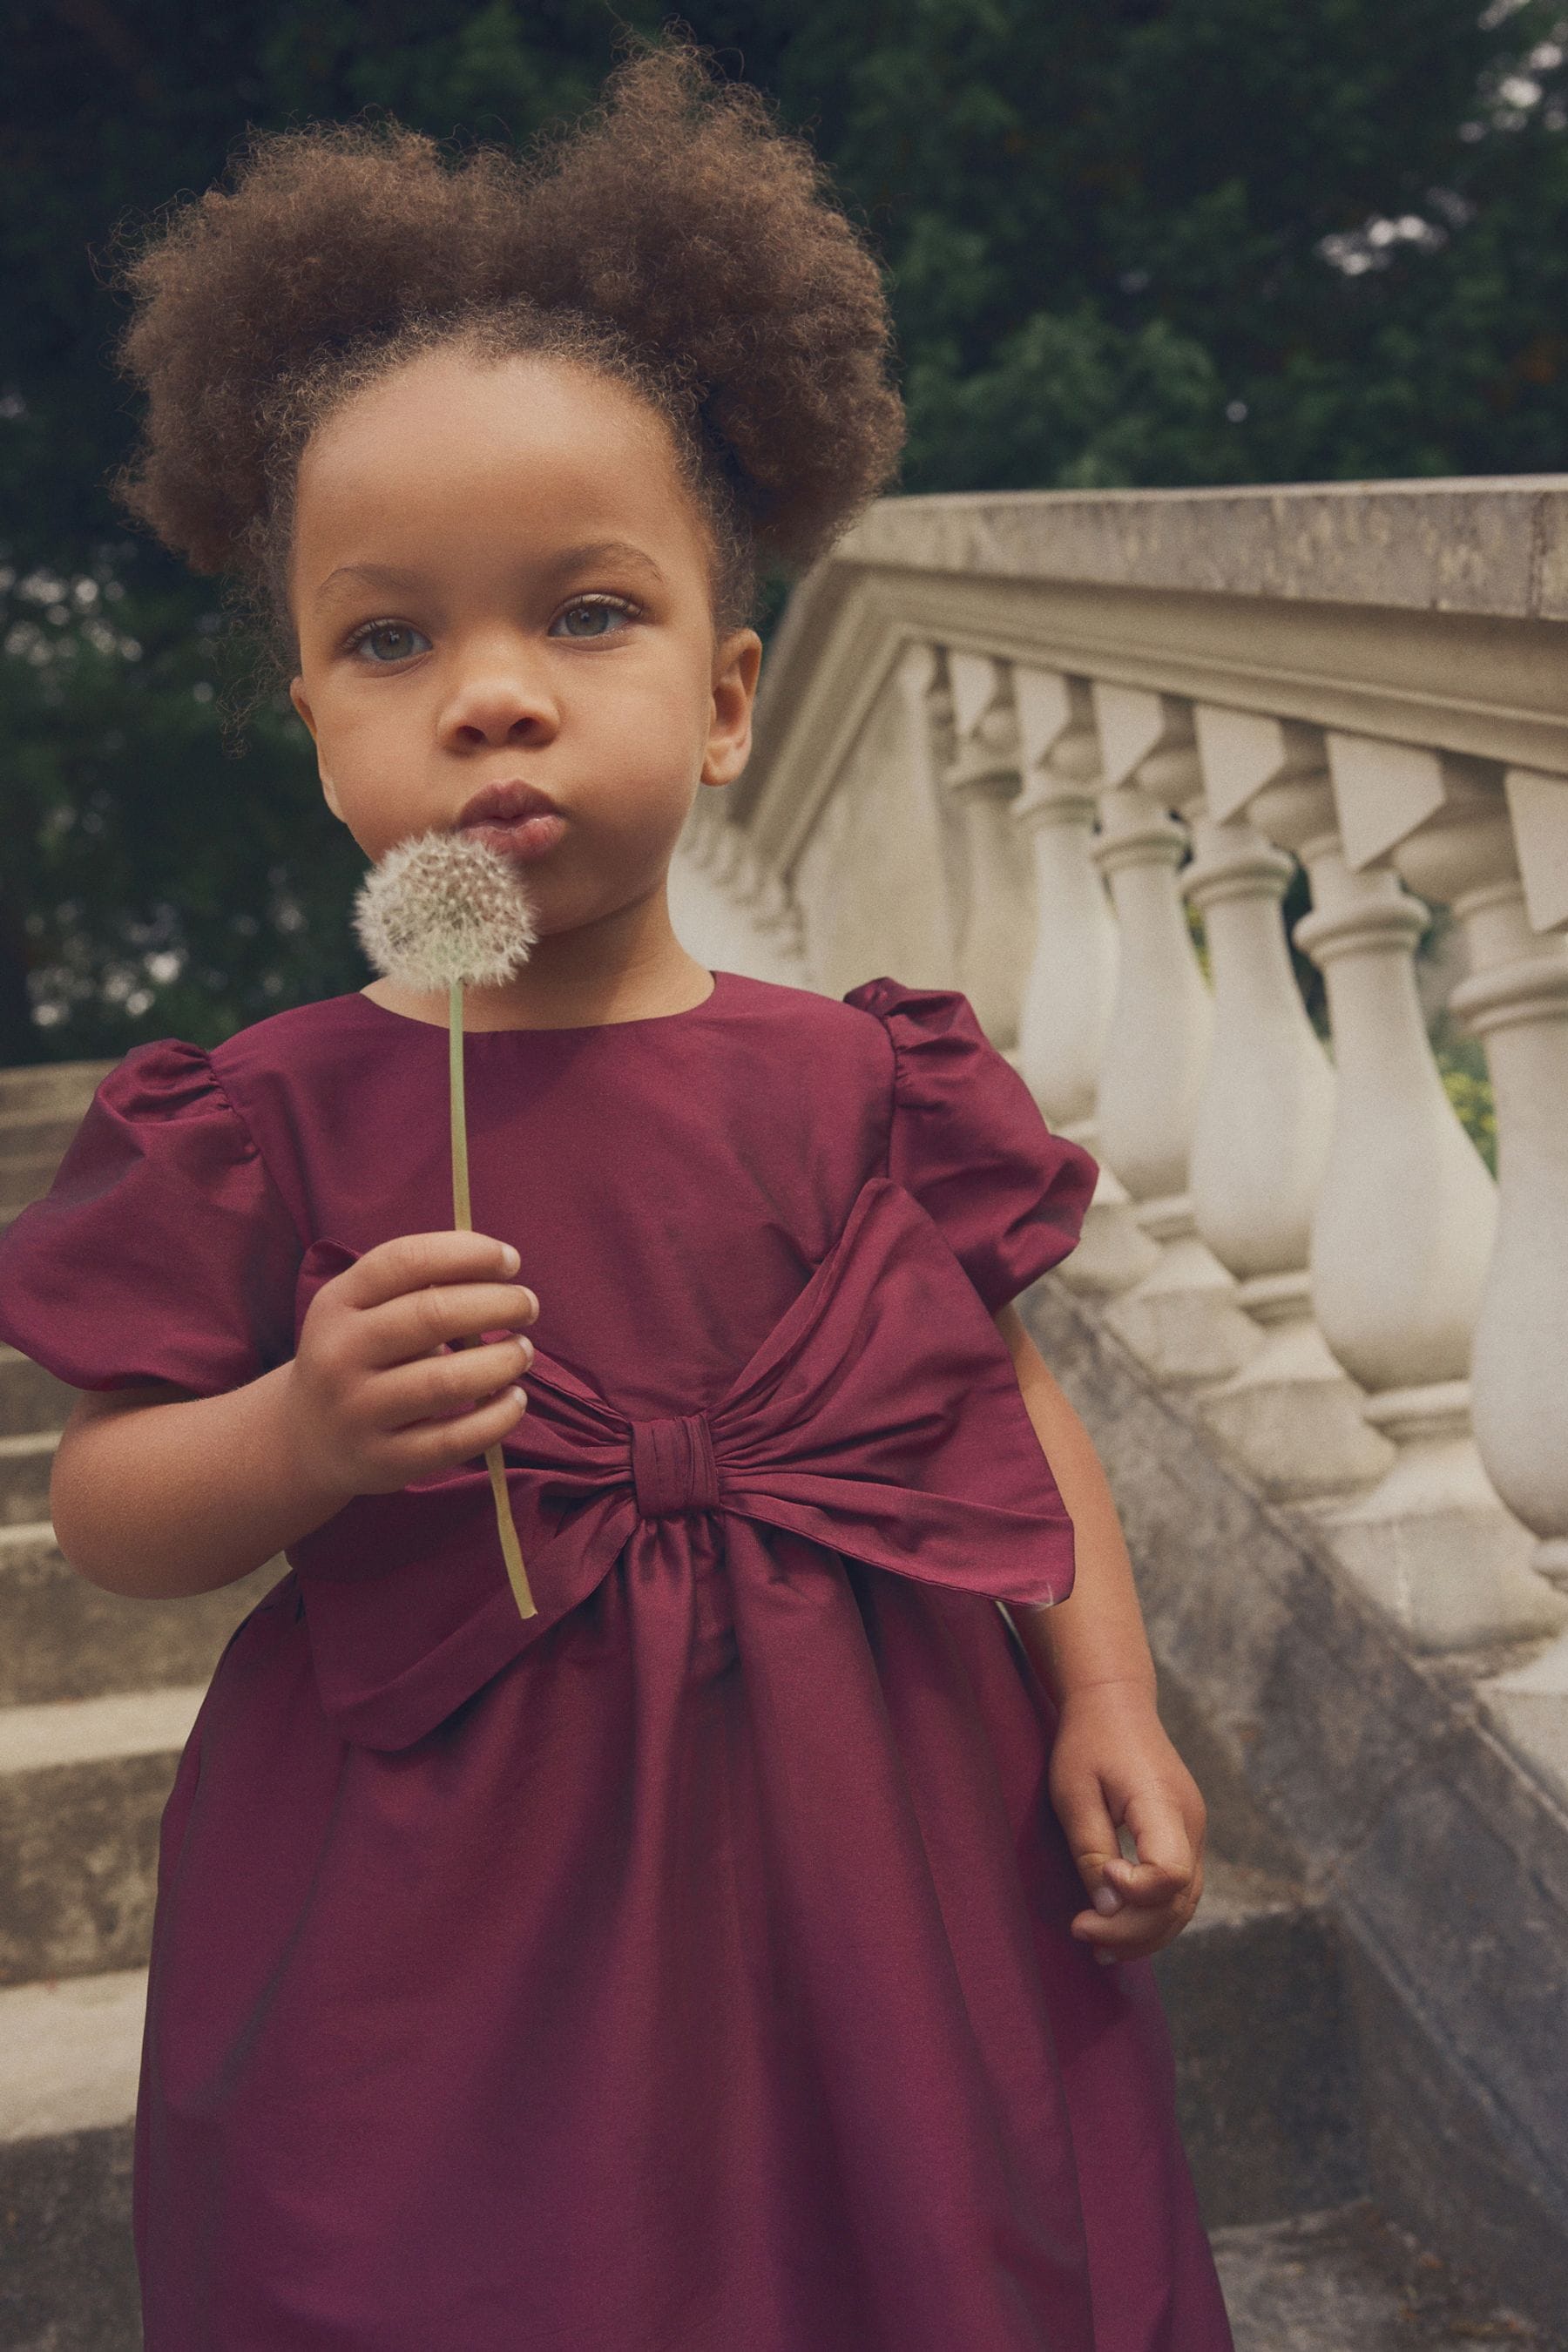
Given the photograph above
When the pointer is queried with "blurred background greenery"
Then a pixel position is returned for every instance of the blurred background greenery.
(1127, 242)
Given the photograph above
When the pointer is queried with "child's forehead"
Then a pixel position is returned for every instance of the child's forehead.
(547, 455)
(466, 412)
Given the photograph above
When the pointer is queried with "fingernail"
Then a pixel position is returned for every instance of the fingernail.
(1107, 1900)
(509, 1257)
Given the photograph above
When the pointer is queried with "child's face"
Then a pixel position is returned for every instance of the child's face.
(446, 519)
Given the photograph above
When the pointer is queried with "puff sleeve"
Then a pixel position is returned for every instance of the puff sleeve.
(163, 1251)
(967, 1139)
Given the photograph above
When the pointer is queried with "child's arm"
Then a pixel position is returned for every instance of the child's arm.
(1113, 1763)
(155, 1493)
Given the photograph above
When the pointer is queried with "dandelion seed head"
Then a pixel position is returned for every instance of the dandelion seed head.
(443, 908)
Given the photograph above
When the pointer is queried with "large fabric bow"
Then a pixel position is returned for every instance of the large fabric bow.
(880, 1417)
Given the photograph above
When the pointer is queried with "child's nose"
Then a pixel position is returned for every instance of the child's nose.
(500, 702)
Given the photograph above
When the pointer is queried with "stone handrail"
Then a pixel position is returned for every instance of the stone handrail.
(1010, 742)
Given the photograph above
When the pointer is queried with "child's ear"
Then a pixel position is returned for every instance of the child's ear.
(736, 664)
(297, 697)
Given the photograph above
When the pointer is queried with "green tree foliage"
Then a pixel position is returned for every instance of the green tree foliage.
(1129, 241)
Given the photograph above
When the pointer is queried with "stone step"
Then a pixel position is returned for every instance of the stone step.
(27, 1131)
(1268, 2085)
(24, 1175)
(30, 1399)
(1348, 2281)
(83, 1784)
(61, 1637)
(71, 2053)
(25, 1463)
(69, 2060)
(50, 1089)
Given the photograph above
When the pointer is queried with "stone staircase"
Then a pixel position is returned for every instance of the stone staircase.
(97, 1696)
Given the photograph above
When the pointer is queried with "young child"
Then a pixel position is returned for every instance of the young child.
(738, 1953)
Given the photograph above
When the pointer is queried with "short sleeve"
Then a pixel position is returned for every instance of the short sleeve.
(966, 1137)
(163, 1251)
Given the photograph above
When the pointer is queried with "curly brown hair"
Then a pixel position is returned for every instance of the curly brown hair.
(675, 239)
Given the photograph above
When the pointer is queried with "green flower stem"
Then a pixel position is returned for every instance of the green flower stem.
(462, 1217)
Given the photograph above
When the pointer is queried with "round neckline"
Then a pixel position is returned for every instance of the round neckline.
(567, 1029)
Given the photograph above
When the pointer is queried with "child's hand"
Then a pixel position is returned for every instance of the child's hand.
(1113, 1766)
(375, 1399)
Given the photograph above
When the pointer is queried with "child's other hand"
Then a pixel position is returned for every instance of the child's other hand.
(382, 1390)
(1113, 1767)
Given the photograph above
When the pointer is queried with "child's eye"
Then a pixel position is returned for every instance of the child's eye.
(599, 606)
(388, 641)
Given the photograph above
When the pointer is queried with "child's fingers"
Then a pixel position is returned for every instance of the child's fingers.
(1142, 1906)
(439, 1386)
(1167, 1856)
(406, 1329)
(1135, 1931)
(1132, 1935)
(1090, 1830)
(434, 1445)
(1146, 1885)
(410, 1262)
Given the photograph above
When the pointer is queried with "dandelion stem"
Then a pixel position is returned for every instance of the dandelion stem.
(462, 1217)
(462, 1214)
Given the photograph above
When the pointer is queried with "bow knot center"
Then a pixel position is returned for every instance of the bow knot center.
(673, 1469)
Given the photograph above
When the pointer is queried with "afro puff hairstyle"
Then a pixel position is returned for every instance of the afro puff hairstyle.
(675, 239)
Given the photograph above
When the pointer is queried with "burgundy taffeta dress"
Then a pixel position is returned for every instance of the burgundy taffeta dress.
(686, 1970)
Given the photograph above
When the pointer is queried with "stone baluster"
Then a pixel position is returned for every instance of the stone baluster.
(1402, 1228)
(728, 909)
(1181, 1319)
(1512, 905)
(1266, 1114)
(997, 915)
(730, 867)
(777, 921)
(1072, 980)
(921, 677)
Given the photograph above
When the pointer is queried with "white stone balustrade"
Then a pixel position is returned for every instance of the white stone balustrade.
(990, 729)
(1266, 1114)
(983, 780)
(1515, 999)
(1181, 1318)
(1070, 984)
(1405, 1218)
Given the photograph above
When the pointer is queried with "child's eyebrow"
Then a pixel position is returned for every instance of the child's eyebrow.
(603, 550)
(566, 560)
(372, 576)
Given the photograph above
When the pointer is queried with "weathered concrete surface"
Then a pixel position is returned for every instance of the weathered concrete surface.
(25, 1461)
(1347, 2281)
(51, 1091)
(1266, 2083)
(68, 2275)
(24, 1173)
(83, 1783)
(1443, 1866)
(78, 1854)
(61, 1637)
(72, 2050)
(78, 1867)
(30, 1398)
(1482, 546)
